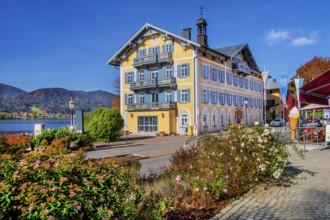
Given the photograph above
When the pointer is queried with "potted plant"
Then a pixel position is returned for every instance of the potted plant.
(162, 133)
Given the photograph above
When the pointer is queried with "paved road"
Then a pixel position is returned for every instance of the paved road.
(303, 192)
(156, 151)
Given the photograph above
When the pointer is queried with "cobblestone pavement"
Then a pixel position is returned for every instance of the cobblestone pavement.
(302, 192)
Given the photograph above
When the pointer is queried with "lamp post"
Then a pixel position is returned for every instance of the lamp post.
(71, 104)
(246, 105)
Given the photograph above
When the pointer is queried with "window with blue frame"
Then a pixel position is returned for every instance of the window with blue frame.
(229, 99)
(153, 50)
(168, 48)
(241, 82)
(204, 95)
(205, 71)
(246, 83)
(214, 97)
(222, 76)
(213, 74)
(235, 100)
(184, 70)
(141, 53)
(222, 98)
(251, 85)
(235, 80)
(229, 78)
(129, 77)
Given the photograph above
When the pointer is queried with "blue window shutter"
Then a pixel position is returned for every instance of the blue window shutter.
(179, 70)
(147, 74)
(188, 95)
(149, 51)
(178, 96)
(172, 47)
(137, 53)
(144, 52)
(161, 97)
(158, 50)
(188, 69)
(125, 99)
(126, 77)
(136, 98)
(163, 48)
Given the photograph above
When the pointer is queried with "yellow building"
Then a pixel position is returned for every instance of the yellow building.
(171, 84)
(274, 107)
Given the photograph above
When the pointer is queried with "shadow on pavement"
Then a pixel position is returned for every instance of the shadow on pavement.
(290, 175)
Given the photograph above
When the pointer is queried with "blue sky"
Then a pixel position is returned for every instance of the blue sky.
(66, 43)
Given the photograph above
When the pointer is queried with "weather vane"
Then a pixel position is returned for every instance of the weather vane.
(201, 8)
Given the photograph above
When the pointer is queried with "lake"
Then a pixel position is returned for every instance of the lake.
(17, 126)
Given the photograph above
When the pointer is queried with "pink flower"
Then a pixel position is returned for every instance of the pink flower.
(178, 178)
(31, 208)
(197, 189)
(14, 188)
(78, 207)
(105, 218)
(227, 177)
(42, 190)
(225, 190)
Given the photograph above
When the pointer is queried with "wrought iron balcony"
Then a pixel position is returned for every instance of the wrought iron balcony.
(151, 106)
(153, 59)
(241, 68)
(153, 83)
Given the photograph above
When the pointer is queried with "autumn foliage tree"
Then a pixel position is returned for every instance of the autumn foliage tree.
(313, 68)
(116, 99)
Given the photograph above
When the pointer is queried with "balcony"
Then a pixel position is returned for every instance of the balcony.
(153, 83)
(151, 106)
(153, 59)
(241, 69)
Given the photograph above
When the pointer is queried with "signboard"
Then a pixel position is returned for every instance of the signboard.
(327, 133)
(80, 122)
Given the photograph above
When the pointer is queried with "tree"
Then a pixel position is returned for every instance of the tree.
(116, 99)
(313, 68)
(105, 123)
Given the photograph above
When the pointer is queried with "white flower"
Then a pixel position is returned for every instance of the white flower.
(277, 174)
(242, 144)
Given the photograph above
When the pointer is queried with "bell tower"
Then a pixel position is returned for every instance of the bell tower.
(201, 29)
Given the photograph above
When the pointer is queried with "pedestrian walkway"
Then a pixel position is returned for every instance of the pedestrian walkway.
(302, 192)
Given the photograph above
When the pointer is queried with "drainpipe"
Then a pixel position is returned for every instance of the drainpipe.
(196, 92)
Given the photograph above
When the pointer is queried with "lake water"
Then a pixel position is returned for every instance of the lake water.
(17, 126)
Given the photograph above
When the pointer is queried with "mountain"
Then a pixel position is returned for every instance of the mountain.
(53, 100)
(8, 92)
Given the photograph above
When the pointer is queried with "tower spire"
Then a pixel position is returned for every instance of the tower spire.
(201, 29)
(201, 9)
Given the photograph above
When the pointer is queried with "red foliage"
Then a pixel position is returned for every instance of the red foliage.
(313, 68)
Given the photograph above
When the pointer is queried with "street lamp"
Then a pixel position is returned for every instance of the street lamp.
(246, 105)
(71, 104)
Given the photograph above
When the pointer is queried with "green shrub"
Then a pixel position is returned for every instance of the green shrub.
(105, 123)
(74, 140)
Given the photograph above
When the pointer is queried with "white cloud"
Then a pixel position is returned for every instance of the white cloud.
(276, 36)
(297, 37)
(302, 41)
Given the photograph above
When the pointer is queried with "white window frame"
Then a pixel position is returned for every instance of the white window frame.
(168, 48)
(154, 74)
(141, 98)
(184, 120)
(184, 70)
(168, 71)
(141, 75)
(204, 95)
(214, 97)
(184, 95)
(168, 96)
(129, 99)
(130, 77)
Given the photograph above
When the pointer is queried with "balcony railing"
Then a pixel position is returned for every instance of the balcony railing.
(153, 59)
(151, 106)
(241, 68)
(152, 83)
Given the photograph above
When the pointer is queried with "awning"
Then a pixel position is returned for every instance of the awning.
(314, 107)
(317, 90)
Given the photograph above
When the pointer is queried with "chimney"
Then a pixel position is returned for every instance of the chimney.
(186, 33)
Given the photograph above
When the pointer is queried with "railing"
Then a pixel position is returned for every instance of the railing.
(151, 106)
(155, 58)
(151, 83)
(241, 68)
(143, 84)
(310, 135)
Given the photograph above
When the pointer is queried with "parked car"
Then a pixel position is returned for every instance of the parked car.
(278, 122)
(316, 120)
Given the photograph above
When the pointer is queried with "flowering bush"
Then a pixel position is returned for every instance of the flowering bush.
(218, 168)
(15, 145)
(59, 184)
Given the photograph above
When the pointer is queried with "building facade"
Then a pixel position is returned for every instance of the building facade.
(171, 84)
